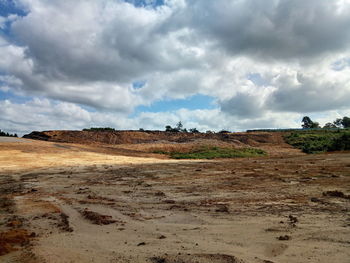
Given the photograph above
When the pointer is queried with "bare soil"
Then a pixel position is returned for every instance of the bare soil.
(69, 202)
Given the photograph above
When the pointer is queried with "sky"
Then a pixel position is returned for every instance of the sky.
(213, 65)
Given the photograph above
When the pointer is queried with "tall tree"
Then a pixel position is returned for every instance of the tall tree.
(308, 123)
(346, 122)
(179, 126)
(338, 123)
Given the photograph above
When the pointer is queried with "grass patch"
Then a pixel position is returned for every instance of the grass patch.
(214, 152)
(318, 141)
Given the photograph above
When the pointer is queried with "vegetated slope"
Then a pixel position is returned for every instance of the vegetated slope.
(314, 141)
(217, 152)
(136, 137)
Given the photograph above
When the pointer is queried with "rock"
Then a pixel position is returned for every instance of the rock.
(314, 199)
(336, 193)
(222, 209)
(293, 219)
(159, 193)
(283, 238)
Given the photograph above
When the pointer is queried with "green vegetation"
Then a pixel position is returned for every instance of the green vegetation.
(100, 129)
(193, 130)
(214, 152)
(309, 124)
(316, 141)
(179, 128)
(338, 123)
(2, 133)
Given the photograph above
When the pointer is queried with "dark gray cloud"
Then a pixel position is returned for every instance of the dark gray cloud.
(277, 29)
(244, 106)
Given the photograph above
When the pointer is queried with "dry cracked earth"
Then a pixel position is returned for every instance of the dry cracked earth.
(74, 203)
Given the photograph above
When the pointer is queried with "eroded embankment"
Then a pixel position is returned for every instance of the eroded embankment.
(134, 137)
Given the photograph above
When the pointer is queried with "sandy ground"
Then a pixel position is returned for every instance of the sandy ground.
(73, 203)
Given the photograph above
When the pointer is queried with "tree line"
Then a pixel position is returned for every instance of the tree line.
(180, 128)
(339, 123)
(6, 134)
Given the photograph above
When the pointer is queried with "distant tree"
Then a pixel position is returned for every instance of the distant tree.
(346, 122)
(329, 125)
(168, 128)
(224, 131)
(308, 123)
(2, 133)
(141, 129)
(179, 126)
(315, 125)
(193, 130)
(338, 123)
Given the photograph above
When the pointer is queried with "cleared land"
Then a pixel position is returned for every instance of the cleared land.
(65, 202)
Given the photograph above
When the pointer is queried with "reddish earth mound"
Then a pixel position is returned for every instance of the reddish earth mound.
(135, 137)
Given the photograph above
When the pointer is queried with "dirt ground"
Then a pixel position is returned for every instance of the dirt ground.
(63, 202)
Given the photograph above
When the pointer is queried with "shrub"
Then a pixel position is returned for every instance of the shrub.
(319, 141)
(341, 143)
(99, 129)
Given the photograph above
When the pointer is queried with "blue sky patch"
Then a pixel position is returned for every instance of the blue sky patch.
(13, 98)
(144, 3)
(9, 7)
(257, 79)
(138, 84)
(340, 64)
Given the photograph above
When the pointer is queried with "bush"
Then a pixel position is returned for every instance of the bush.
(319, 141)
(224, 131)
(342, 143)
(100, 129)
(193, 130)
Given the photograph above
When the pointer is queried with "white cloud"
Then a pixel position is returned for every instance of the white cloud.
(90, 53)
(43, 114)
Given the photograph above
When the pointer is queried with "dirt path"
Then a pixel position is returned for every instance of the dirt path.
(69, 203)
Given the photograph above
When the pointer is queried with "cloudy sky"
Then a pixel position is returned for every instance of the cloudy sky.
(129, 64)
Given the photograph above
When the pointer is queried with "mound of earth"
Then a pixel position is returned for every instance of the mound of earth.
(137, 137)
